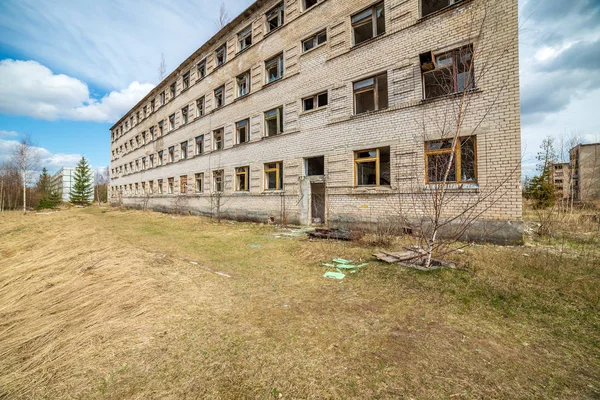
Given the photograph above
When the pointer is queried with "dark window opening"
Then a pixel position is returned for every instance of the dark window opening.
(368, 24)
(371, 94)
(315, 166)
(447, 73)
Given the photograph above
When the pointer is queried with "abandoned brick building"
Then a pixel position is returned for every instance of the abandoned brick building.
(334, 111)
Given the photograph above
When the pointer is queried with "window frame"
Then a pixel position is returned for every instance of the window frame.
(373, 20)
(201, 69)
(315, 40)
(219, 173)
(218, 50)
(185, 115)
(440, 10)
(185, 81)
(199, 139)
(243, 37)
(200, 111)
(456, 55)
(278, 117)
(373, 87)
(159, 186)
(171, 154)
(161, 160)
(247, 80)
(280, 10)
(170, 185)
(245, 172)
(221, 131)
(171, 122)
(278, 169)
(183, 150)
(315, 99)
(199, 177)
(376, 159)
(183, 189)
(456, 159)
(246, 125)
(222, 91)
(278, 61)
(305, 8)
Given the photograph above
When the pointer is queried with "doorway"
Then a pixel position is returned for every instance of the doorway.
(317, 203)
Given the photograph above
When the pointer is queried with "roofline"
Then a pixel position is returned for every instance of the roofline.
(585, 144)
(237, 20)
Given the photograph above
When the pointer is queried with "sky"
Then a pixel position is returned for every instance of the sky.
(71, 68)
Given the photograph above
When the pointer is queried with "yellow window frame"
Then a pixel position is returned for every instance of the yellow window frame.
(457, 159)
(277, 171)
(242, 171)
(358, 161)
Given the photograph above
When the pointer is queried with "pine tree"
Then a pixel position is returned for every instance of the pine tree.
(55, 199)
(43, 189)
(82, 189)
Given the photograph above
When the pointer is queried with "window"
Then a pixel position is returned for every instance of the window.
(143, 187)
(145, 110)
(218, 181)
(275, 18)
(199, 183)
(274, 121)
(221, 55)
(186, 80)
(151, 160)
(143, 138)
(274, 176)
(200, 107)
(310, 3)
(432, 6)
(274, 68)
(370, 94)
(438, 156)
(126, 125)
(172, 90)
(151, 186)
(218, 139)
(137, 117)
(171, 185)
(137, 165)
(160, 186)
(245, 38)
(316, 101)
(131, 122)
(137, 141)
(241, 131)
(163, 98)
(219, 99)
(447, 73)
(199, 145)
(160, 158)
(151, 133)
(152, 106)
(315, 166)
(161, 128)
(184, 115)
(184, 149)
(137, 188)
(314, 41)
(368, 24)
(172, 122)
(143, 163)
(372, 167)
(243, 84)
(183, 184)
(201, 68)
(171, 154)
(242, 175)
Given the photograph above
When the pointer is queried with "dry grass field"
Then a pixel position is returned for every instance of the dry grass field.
(105, 304)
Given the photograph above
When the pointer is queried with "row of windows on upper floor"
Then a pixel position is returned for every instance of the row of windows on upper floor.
(372, 167)
(366, 25)
(442, 74)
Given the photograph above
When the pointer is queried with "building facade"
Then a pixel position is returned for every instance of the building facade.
(336, 111)
(561, 179)
(585, 164)
(61, 182)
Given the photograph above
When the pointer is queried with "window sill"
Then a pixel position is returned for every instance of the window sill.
(273, 192)
(453, 186)
(450, 95)
(443, 10)
(313, 49)
(314, 110)
(368, 41)
(268, 84)
(267, 34)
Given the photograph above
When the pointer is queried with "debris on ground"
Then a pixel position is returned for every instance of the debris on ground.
(340, 265)
(255, 246)
(414, 258)
(335, 234)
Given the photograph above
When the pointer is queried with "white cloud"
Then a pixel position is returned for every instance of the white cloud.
(49, 160)
(30, 89)
(8, 133)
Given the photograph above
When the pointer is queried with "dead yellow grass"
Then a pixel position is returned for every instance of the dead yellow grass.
(101, 305)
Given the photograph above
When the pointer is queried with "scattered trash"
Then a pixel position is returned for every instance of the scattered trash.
(341, 266)
(255, 246)
(336, 234)
(413, 258)
(334, 275)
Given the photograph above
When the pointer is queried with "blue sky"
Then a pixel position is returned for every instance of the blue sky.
(69, 68)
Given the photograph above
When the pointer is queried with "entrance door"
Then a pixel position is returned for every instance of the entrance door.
(317, 203)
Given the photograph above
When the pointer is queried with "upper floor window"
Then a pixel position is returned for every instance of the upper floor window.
(163, 98)
(184, 115)
(152, 106)
(314, 40)
(137, 117)
(370, 94)
(438, 157)
(218, 139)
(199, 145)
(161, 128)
(372, 167)
(245, 38)
(199, 183)
(143, 138)
(186, 80)
(126, 125)
(145, 110)
(368, 24)
(447, 73)
(275, 17)
(151, 133)
(274, 121)
(171, 154)
(316, 101)
(242, 179)
(241, 131)
(170, 185)
(221, 55)
(274, 68)
(172, 122)
(183, 150)
(159, 186)
(243, 84)
(219, 97)
(160, 158)
(131, 122)
(432, 6)
(309, 3)
(200, 107)
(201, 68)
(172, 90)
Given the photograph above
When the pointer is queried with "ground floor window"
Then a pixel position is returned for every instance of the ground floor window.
(160, 186)
(372, 167)
(274, 176)
(218, 181)
(199, 186)
(242, 177)
(462, 163)
(183, 184)
(171, 184)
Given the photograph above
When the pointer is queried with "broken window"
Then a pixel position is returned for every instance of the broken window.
(368, 24)
(183, 184)
(314, 40)
(137, 141)
(274, 68)
(309, 3)
(241, 130)
(172, 122)
(145, 110)
(245, 38)
(221, 55)
(160, 158)
(163, 98)
(316, 101)
(137, 117)
(370, 94)
(462, 163)
(274, 176)
(315, 166)
(201, 68)
(172, 90)
(161, 128)
(432, 6)
(170, 185)
(243, 84)
(242, 178)
(183, 150)
(274, 122)
(218, 181)
(200, 107)
(143, 138)
(143, 163)
(186, 80)
(151, 133)
(275, 17)
(447, 73)
(218, 139)
(372, 167)
(151, 160)
(152, 106)
(219, 97)
(171, 154)
(199, 145)
(184, 115)
(160, 186)
(199, 183)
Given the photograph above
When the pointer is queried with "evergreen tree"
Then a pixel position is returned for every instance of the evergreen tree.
(82, 189)
(55, 199)
(43, 190)
(540, 188)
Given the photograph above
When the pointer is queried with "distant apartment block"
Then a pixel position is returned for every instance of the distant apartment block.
(560, 176)
(62, 181)
(332, 111)
(585, 165)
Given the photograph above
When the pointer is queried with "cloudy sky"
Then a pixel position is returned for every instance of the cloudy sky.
(68, 68)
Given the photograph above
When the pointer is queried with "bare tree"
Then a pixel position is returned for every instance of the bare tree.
(223, 18)
(101, 184)
(25, 159)
(162, 68)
